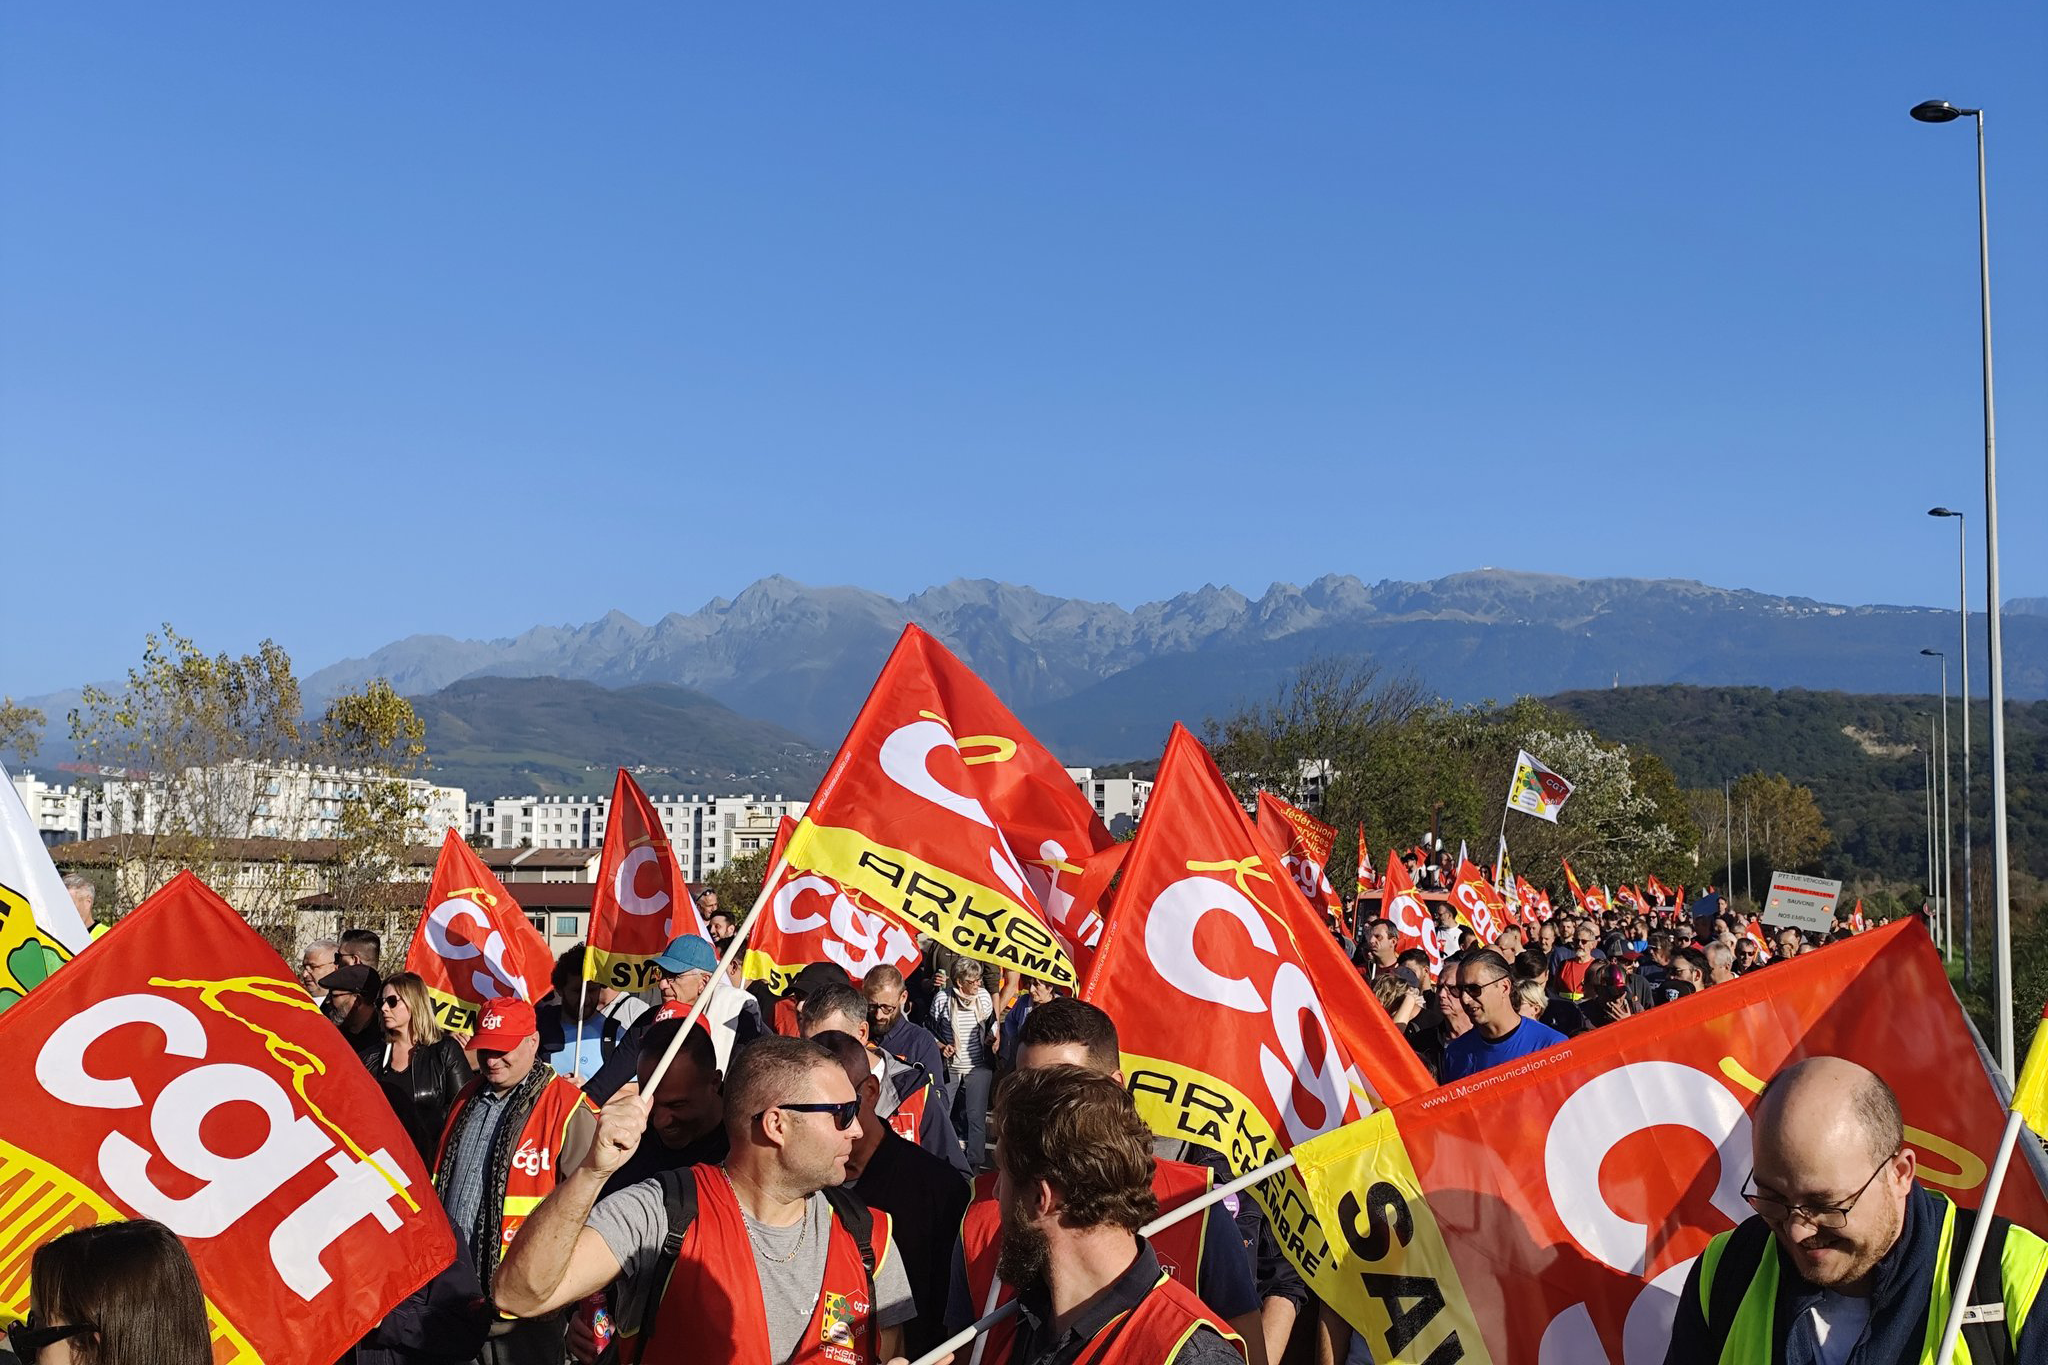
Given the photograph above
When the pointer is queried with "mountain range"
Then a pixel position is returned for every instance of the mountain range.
(1100, 682)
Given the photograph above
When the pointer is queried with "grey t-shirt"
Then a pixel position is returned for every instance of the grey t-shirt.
(634, 1224)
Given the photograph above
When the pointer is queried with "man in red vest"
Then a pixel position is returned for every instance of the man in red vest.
(762, 1258)
(1073, 1186)
(1204, 1252)
(512, 1131)
(912, 1102)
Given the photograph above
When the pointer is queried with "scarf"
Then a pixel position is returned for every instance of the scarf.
(490, 1210)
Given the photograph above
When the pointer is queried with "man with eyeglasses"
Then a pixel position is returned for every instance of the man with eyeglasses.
(1844, 1259)
(773, 1261)
(1499, 1033)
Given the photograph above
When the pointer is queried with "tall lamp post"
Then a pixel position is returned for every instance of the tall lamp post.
(1941, 111)
(1948, 881)
(1963, 611)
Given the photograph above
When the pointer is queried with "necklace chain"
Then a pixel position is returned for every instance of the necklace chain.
(803, 1231)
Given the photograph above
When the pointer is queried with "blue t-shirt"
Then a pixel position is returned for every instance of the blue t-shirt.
(1472, 1052)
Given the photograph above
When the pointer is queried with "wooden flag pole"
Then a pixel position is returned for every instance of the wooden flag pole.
(1157, 1225)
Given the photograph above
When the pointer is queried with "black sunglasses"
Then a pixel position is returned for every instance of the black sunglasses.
(27, 1339)
(390, 1000)
(843, 1115)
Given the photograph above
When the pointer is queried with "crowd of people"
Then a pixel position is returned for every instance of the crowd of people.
(1481, 1004)
(831, 1172)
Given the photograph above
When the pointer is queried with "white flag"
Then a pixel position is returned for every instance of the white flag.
(39, 929)
(1536, 790)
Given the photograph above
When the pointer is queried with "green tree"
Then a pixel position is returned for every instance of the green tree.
(197, 734)
(21, 730)
(739, 881)
(375, 738)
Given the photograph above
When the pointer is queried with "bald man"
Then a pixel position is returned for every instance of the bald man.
(1843, 1260)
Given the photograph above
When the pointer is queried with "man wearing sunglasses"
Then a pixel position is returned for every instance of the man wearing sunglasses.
(1485, 985)
(772, 1260)
(1844, 1258)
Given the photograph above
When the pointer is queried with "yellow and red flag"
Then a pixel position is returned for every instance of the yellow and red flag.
(1413, 924)
(810, 919)
(1627, 895)
(1479, 904)
(474, 944)
(1550, 1211)
(1367, 882)
(1856, 917)
(943, 813)
(1304, 844)
(641, 900)
(1588, 903)
(179, 1072)
(1244, 1028)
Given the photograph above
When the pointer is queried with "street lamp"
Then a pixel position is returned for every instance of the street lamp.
(1940, 111)
(1947, 849)
(1963, 612)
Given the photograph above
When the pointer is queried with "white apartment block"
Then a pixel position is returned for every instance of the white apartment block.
(1119, 801)
(56, 812)
(707, 832)
(234, 800)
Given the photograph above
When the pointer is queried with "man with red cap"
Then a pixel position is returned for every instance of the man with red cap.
(513, 1130)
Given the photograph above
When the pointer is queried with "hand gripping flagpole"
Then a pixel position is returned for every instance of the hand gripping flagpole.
(1156, 1226)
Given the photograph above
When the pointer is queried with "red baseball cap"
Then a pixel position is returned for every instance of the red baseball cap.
(504, 1025)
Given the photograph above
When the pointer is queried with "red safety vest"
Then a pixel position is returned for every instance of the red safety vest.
(713, 1296)
(1150, 1334)
(909, 1115)
(1179, 1248)
(533, 1171)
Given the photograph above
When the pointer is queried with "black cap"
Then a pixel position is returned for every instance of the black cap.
(816, 977)
(353, 980)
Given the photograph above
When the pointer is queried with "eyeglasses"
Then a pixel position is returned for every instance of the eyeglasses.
(391, 1002)
(27, 1339)
(1471, 992)
(1819, 1215)
(843, 1114)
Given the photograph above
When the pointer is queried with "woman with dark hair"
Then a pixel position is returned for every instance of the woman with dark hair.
(114, 1294)
(423, 1068)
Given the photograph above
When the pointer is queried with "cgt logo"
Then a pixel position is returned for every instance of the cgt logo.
(496, 980)
(531, 1159)
(853, 938)
(1307, 1078)
(214, 1190)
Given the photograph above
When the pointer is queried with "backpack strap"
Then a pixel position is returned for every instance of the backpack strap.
(1985, 1329)
(1733, 1274)
(679, 1209)
(856, 1218)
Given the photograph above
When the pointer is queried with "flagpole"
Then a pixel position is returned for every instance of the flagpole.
(739, 941)
(1966, 1274)
(1156, 1226)
(582, 1004)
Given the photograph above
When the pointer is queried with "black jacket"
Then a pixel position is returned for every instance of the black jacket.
(423, 1093)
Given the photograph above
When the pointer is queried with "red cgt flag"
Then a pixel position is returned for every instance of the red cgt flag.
(1401, 903)
(1243, 1027)
(942, 812)
(810, 919)
(1367, 883)
(641, 900)
(1304, 844)
(179, 1072)
(474, 944)
(1550, 1211)
(1483, 907)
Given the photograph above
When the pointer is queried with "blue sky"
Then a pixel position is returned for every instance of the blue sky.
(335, 324)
